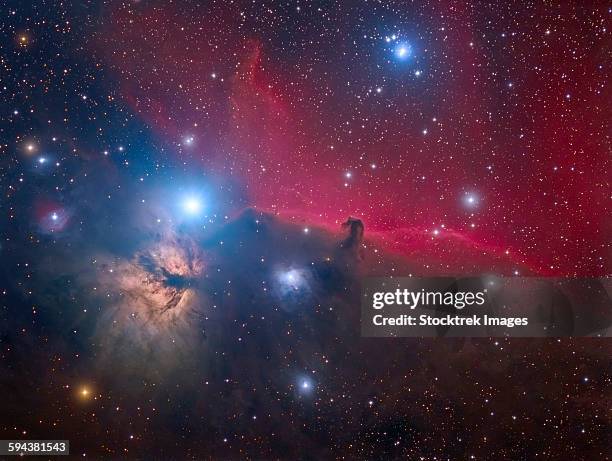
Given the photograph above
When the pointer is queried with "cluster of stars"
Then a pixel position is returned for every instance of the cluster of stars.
(466, 139)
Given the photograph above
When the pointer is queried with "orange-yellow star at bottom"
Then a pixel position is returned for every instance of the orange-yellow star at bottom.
(84, 393)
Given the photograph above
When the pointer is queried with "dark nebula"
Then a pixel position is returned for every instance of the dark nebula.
(193, 193)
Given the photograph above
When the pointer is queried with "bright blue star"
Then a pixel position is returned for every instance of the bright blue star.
(293, 286)
(292, 279)
(305, 385)
(192, 205)
(402, 51)
(471, 200)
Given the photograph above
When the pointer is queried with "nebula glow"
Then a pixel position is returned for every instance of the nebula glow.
(193, 194)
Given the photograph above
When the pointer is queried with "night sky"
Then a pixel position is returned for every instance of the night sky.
(192, 193)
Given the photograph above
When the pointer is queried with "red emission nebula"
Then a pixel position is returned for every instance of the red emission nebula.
(442, 158)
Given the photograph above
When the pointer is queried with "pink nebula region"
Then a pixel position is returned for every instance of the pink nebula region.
(445, 164)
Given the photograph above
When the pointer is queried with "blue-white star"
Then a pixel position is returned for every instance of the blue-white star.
(192, 205)
(402, 51)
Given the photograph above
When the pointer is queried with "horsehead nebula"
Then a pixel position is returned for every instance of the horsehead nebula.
(198, 196)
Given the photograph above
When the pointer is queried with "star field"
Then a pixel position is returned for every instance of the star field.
(193, 192)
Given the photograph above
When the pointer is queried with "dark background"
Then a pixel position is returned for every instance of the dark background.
(139, 329)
